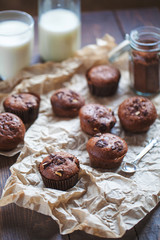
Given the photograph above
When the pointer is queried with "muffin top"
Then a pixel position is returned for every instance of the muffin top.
(12, 129)
(22, 101)
(107, 146)
(137, 109)
(59, 166)
(103, 74)
(99, 117)
(67, 99)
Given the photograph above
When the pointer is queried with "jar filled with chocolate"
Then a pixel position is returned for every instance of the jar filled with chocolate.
(143, 45)
(144, 60)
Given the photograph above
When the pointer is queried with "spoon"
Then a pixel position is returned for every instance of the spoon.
(130, 167)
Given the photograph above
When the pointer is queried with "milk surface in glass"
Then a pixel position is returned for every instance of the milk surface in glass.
(15, 47)
(59, 34)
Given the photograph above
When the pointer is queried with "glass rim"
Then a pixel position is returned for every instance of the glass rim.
(150, 30)
(22, 13)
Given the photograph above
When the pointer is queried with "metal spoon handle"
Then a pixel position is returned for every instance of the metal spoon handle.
(145, 150)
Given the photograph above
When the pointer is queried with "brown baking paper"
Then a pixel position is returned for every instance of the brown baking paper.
(103, 203)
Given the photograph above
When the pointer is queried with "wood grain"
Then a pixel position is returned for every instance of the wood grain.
(149, 227)
(80, 235)
(131, 19)
(24, 224)
(30, 6)
(97, 24)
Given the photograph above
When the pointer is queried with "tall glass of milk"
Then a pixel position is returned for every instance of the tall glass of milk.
(16, 41)
(59, 29)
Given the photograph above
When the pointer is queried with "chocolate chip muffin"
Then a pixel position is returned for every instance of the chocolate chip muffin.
(103, 80)
(106, 150)
(12, 131)
(59, 170)
(137, 114)
(66, 103)
(95, 118)
(24, 105)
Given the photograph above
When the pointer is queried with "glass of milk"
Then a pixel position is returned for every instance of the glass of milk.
(16, 40)
(59, 29)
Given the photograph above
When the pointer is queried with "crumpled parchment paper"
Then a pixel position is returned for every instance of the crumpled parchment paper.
(103, 203)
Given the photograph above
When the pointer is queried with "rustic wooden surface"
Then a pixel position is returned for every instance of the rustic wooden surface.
(30, 6)
(22, 224)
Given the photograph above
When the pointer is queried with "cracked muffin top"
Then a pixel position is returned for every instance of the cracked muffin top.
(96, 118)
(137, 114)
(106, 146)
(25, 105)
(12, 131)
(59, 166)
(66, 103)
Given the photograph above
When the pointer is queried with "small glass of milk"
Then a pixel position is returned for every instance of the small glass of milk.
(16, 41)
(59, 29)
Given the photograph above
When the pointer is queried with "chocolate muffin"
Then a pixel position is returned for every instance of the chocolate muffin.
(59, 170)
(95, 118)
(24, 105)
(12, 131)
(106, 150)
(137, 114)
(103, 80)
(66, 103)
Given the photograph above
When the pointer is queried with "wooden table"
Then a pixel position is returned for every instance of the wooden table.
(22, 224)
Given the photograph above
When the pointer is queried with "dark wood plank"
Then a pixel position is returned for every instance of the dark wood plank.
(117, 4)
(24, 224)
(96, 24)
(133, 18)
(30, 6)
(80, 235)
(149, 227)
(5, 164)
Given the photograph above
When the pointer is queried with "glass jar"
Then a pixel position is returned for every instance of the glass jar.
(16, 42)
(59, 29)
(144, 60)
(143, 44)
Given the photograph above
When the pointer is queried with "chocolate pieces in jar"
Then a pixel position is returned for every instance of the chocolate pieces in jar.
(145, 60)
(145, 71)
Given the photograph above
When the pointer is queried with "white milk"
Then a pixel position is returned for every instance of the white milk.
(15, 47)
(59, 34)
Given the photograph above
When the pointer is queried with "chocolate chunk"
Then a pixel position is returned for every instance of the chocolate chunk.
(102, 127)
(70, 98)
(101, 143)
(113, 147)
(118, 145)
(60, 95)
(112, 123)
(136, 106)
(71, 158)
(46, 164)
(29, 104)
(57, 160)
(91, 120)
(145, 113)
(51, 156)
